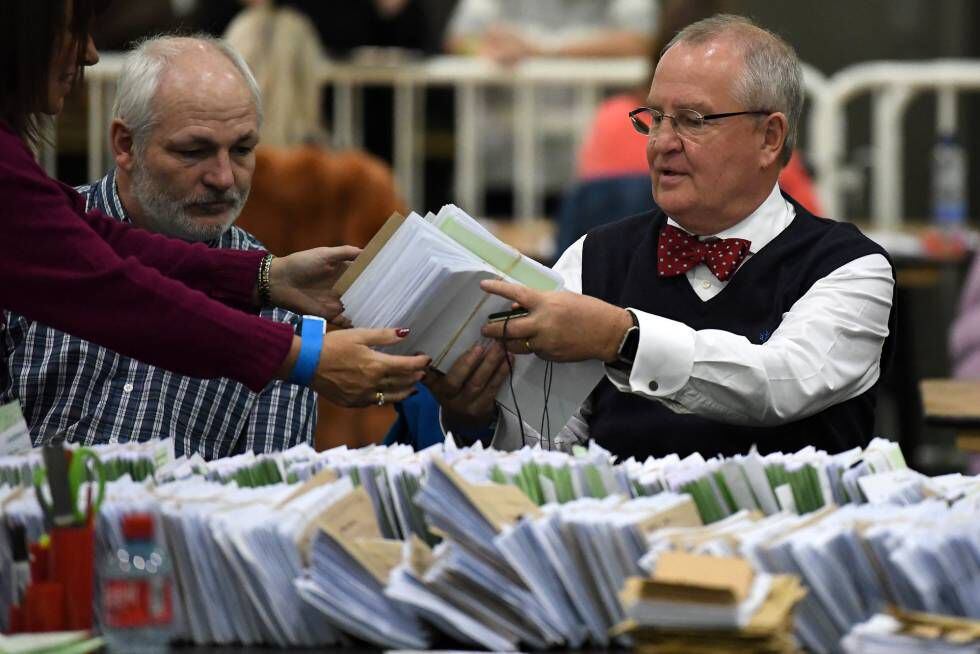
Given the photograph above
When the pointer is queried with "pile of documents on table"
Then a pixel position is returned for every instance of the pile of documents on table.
(913, 633)
(855, 561)
(699, 603)
(798, 482)
(527, 549)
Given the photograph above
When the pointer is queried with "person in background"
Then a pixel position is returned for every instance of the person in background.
(185, 123)
(282, 49)
(308, 188)
(964, 337)
(731, 316)
(964, 341)
(345, 27)
(508, 31)
(172, 304)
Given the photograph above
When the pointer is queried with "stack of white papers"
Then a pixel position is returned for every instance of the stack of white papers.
(886, 634)
(531, 548)
(350, 566)
(855, 561)
(425, 274)
(577, 556)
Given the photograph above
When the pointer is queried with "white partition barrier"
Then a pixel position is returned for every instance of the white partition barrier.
(467, 75)
(470, 77)
(892, 85)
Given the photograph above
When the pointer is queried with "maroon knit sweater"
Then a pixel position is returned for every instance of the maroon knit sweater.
(141, 294)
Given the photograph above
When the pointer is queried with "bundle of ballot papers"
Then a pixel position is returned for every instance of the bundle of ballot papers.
(913, 633)
(528, 549)
(424, 273)
(700, 603)
(798, 482)
(855, 561)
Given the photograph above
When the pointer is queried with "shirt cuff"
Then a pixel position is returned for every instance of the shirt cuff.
(664, 358)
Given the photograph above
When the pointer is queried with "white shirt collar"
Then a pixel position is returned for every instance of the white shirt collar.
(762, 225)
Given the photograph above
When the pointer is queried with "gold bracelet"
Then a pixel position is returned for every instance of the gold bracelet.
(265, 292)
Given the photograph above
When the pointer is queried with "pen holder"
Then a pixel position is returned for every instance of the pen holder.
(72, 565)
(39, 562)
(16, 623)
(44, 607)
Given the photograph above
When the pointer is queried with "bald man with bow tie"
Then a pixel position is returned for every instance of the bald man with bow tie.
(730, 316)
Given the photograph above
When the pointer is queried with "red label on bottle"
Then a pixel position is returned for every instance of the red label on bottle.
(130, 603)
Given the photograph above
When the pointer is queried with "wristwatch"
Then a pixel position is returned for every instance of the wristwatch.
(626, 353)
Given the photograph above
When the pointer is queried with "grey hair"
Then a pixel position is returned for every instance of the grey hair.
(142, 69)
(772, 77)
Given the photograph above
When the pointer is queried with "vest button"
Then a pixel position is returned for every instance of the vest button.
(654, 385)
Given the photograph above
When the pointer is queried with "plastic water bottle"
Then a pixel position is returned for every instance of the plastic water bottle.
(949, 194)
(137, 591)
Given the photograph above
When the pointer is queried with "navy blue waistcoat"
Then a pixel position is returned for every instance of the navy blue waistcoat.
(619, 266)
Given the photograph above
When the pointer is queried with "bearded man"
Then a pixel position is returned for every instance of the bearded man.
(185, 125)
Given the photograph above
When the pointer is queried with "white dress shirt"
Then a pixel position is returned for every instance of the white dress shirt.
(826, 350)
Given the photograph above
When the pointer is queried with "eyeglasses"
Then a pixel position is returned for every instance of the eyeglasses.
(687, 122)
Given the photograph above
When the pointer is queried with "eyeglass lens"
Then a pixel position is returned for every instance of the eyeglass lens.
(685, 121)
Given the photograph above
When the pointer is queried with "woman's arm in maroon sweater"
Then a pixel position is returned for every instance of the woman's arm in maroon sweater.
(226, 275)
(85, 276)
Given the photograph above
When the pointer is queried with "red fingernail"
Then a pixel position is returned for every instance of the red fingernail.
(402, 332)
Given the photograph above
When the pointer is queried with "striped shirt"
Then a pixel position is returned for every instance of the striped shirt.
(73, 388)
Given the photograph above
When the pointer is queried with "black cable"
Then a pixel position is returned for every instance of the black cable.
(513, 393)
(549, 375)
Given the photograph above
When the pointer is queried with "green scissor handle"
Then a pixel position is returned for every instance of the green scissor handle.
(78, 473)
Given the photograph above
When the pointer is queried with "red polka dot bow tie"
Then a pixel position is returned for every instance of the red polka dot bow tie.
(678, 252)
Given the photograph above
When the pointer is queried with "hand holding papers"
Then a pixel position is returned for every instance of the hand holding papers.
(467, 392)
(351, 373)
(425, 274)
(560, 326)
(303, 281)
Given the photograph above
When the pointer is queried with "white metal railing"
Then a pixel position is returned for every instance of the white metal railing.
(892, 85)
(469, 77)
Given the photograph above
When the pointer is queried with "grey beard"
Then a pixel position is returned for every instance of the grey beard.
(168, 215)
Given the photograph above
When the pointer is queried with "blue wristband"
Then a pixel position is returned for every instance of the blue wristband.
(311, 332)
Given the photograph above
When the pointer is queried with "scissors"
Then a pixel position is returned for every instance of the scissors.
(65, 472)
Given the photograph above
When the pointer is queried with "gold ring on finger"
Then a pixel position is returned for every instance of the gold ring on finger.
(380, 397)
(527, 344)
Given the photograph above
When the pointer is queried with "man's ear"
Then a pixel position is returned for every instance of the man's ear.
(121, 140)
(775, 129)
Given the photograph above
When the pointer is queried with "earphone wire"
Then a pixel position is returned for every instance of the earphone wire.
(513, 393)
(549, 374)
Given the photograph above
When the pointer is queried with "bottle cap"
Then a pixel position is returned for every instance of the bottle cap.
(138, 526)
(44, 607)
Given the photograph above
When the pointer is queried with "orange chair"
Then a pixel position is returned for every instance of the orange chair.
(306, 197)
